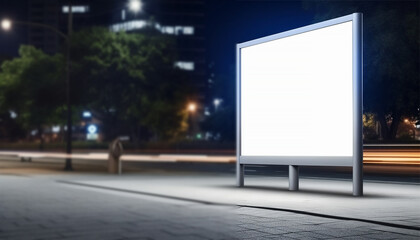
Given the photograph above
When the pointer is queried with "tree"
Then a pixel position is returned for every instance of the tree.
(391, 57)
(223, 121)
(32, 86)
(129, 81)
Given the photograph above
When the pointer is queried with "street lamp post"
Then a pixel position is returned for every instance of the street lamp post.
(6, 24)
(192, 107)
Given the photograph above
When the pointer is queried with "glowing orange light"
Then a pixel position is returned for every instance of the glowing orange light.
(192, 107)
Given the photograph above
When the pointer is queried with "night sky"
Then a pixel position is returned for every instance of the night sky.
(10, 41)
(231, 22)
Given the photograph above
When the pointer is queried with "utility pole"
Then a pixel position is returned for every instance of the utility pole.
(68, 166)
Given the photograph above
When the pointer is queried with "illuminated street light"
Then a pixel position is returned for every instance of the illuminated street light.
(135, 5)
(6, 24)
(192, 107)
(406, 120)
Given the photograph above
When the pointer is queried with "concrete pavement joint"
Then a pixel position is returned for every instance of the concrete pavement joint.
(144, 193)
(335, 217)
(387, 224)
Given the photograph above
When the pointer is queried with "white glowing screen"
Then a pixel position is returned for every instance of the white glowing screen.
(296, 95)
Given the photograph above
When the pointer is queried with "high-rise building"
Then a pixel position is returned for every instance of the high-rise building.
(54, 13)
(183, 19)
(44, 12)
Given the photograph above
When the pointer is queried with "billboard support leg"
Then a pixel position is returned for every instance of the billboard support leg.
(293, 178)
(358, 103)
(357, 181)
(240, 168)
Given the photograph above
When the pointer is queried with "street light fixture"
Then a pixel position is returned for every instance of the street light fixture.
(192, 107)
(135, 5)
(6, 24)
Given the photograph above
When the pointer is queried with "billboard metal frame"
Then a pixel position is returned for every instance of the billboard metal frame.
(355, 161)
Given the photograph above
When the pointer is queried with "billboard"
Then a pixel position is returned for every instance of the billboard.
(299, 98)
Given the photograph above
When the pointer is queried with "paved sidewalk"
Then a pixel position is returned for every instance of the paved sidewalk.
(45, 207)
(384, 202)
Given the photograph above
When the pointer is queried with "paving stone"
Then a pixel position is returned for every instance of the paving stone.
(40, 208)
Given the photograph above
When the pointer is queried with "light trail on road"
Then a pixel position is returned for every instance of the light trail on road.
(370, 156)
(391, 157)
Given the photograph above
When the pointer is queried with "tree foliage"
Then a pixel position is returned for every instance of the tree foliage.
(222, 122)
(391, 57)
(129, 81)
(32, 85)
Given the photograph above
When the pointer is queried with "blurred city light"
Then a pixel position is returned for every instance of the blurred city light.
(87, 114)
(55, 129)
(92, 129)
(192, 107)
(135, 5)
(217, 102)
(75, 9)
(13, 114)
(6, 24)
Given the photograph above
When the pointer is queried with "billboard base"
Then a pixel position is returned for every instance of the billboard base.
(240, 171)
(293, 178)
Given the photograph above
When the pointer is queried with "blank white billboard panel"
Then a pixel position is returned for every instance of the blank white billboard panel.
(296, 95)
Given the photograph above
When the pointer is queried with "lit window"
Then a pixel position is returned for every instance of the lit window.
(76, 9)
(128, 26)
(188, 30)
(188, 66)
(169, 30)
(139, 24)
(177, 30)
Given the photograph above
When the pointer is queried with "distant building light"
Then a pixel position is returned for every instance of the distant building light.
(139, 24)
(188, 30)
(128, 26)
(87, 114)
(177, 30)
(123, 14)
(13, 114)
(76, 9)
(34, 132)
(55, 129)
(188, 66)
(168, 30)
